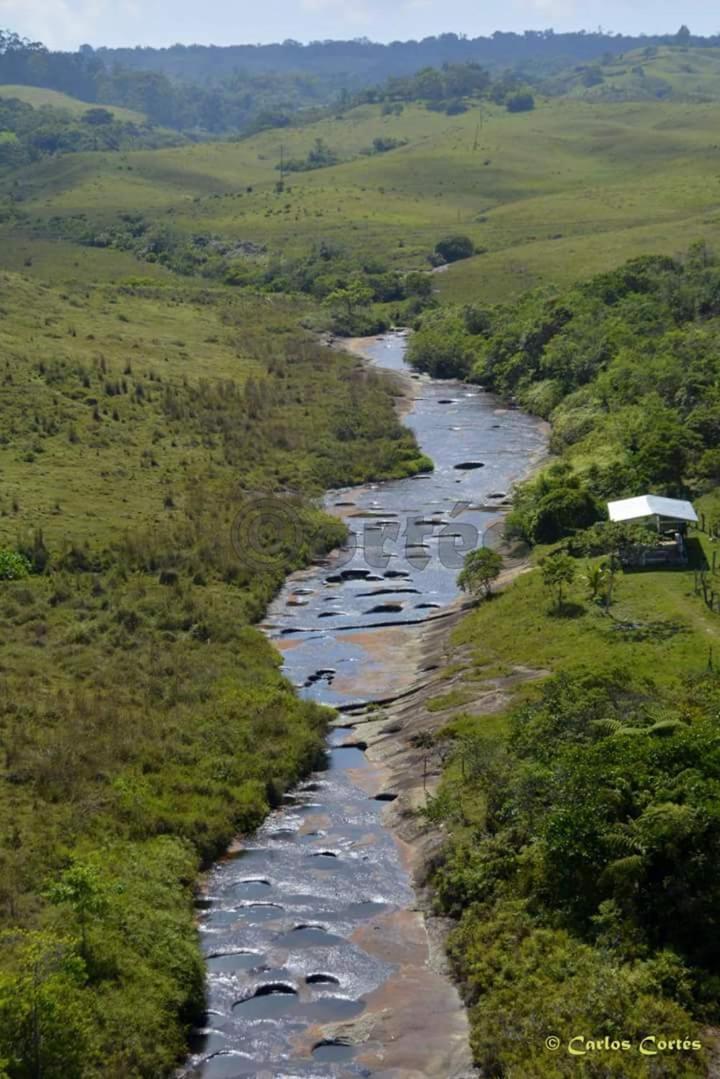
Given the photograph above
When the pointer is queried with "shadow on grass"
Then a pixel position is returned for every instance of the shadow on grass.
(567, 611)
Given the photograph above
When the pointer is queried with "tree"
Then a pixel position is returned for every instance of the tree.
(561, 511)
(418, 284)
(454, 248)
(355, 294)
(424, 741)
(683, 35)
(520, 102)
(98, 117)
(480, 569)
(558, 571)
(595, 579)
(81, 889)
(46, 1018)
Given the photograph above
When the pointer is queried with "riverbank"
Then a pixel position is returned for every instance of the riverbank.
(327, 864)
(426, 1022)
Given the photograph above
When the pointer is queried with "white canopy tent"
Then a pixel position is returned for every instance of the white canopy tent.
(664, 510)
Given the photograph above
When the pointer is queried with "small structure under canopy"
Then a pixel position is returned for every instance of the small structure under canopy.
(668, 513)
(670, 516)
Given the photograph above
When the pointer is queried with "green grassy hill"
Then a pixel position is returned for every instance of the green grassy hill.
(37, 96)
(139, 422)
(647, 74)
(569, 189)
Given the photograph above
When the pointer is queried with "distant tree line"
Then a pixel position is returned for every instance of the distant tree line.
(249, 87)
(243, 103)
(446, 89)
(362, 62)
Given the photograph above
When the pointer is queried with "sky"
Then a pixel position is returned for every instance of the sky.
(65, 24)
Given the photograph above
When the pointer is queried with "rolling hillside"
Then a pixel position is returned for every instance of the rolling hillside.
(569, 189)
(651, 73)
(37, 96)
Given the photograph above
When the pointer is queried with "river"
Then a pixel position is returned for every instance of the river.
(295, 922)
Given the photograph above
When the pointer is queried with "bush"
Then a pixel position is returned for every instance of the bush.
(555, 505)
(521, 102)
(440, 347)
(523, 981)
(454, 248)
(13, 566)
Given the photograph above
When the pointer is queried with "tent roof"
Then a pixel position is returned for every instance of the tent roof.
(635, 509)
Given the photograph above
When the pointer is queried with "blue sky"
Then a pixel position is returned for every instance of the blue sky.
(68, 23)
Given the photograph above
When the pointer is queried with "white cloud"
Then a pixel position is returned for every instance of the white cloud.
(354, 14)
(559, 9)
(60, 24)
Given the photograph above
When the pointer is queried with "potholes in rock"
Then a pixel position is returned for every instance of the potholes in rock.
(325, 859)
(385, 796)
(329, 1009)
(321, 979)
(261, 912)
(269, 1001)
(326, 674)
(333, 1051)
(230, 962)
(348, 575)
(468, 466)
(219, 918)
(428, 606)
(386, 608)
(365, 909)
(252, 888)
(309, 936)
(227, 1066)
(393, 574)
(389, 592)
(281, 835)
(446, 401)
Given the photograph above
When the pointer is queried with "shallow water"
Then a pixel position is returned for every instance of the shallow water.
(279, 917)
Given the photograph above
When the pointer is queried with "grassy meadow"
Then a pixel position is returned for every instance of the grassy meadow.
(642, 74)
(39, 97)
(567, 190)
(138, 421)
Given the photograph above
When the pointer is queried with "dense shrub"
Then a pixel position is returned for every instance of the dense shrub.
(454, 248)
(521, 102)
(585, 896)
(13, 565)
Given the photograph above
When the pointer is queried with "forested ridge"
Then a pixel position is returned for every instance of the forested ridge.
(238, 88)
